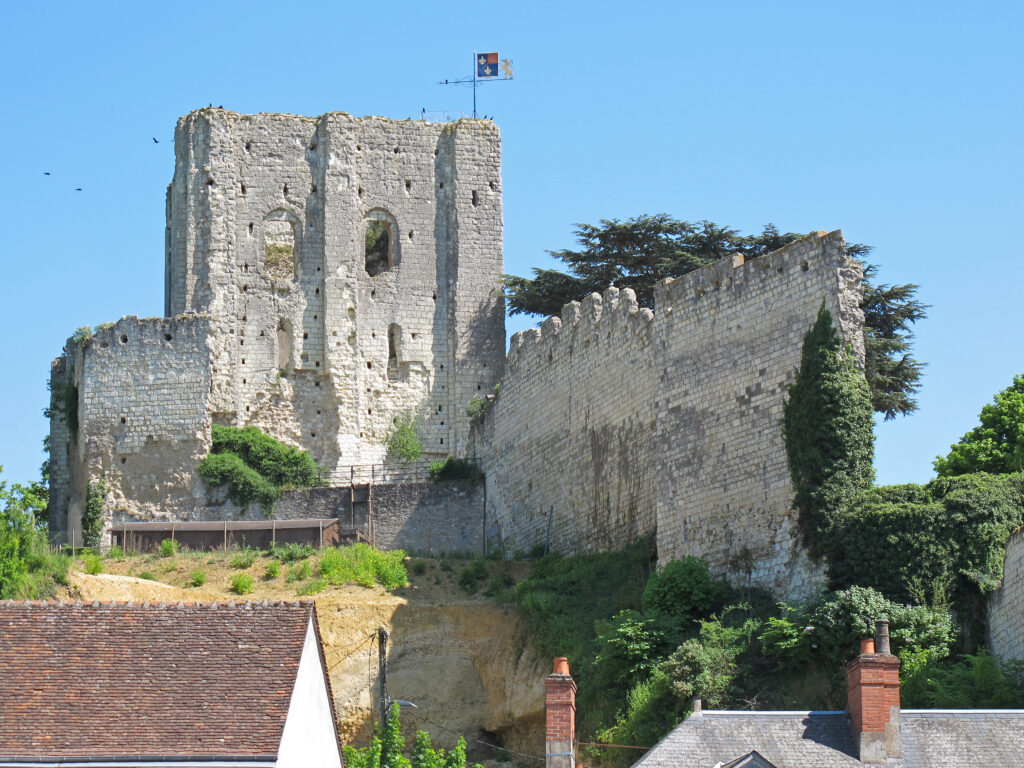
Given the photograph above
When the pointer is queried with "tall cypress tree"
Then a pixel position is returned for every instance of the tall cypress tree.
(827, 427)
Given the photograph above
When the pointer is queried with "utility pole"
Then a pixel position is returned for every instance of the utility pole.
(382, 654)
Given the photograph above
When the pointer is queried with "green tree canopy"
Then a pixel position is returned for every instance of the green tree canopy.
(997, 444)
(639, 252)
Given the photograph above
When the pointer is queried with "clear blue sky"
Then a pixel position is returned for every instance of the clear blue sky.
(900, 123)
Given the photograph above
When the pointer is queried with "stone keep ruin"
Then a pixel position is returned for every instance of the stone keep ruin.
(325, 276)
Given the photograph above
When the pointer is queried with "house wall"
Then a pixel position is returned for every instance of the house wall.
(310, 738)
(1006, 604)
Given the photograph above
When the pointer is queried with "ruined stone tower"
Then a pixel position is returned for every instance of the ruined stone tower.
(323, 277)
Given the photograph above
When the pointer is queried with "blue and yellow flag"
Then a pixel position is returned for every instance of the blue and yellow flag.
(487, 65)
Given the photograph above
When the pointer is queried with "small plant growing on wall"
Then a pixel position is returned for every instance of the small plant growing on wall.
(404, 444)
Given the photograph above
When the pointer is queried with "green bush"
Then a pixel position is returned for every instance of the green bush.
(684, 591)
(652, 709)
(272, 572)
(364, 565)
(241, 584)
(115, 553)
(93, 564)
(198, 578)
(471, 576)
(169, 548)
(255, 466)
(245, 484)
(943, 542)
(708, 665)
(243, 558)
(404, 444)
(300, 572)
(313, 587)
(280, 464)
(290, 552)
(148, 576)
(452, 468)
(971, 682)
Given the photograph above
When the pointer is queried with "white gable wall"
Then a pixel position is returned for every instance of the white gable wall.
(309, 739)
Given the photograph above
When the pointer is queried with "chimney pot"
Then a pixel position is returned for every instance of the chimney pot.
(561, 665)
(867, 645)
(882, 636)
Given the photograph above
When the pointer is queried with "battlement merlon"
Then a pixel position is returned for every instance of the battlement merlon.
(673, 295)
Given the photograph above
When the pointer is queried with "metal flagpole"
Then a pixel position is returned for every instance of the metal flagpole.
(474, 85)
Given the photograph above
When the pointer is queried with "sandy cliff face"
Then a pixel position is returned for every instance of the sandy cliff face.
(464, 661)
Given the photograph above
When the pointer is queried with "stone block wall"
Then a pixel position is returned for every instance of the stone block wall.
(615, 421)
(267, 218)
(1006, 604)
(434, 517)
(303, 335)
(142, 423)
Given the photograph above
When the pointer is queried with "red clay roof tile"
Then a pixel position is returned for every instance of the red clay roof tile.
(122, 679)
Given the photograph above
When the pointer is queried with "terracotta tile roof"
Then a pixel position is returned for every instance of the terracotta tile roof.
(120, 680)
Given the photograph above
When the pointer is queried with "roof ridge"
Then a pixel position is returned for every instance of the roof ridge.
(163, 604)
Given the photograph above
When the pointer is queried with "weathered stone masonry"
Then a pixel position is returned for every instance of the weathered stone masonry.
(1006, 604)
(326, 275)
(616, 421)
(294, 332)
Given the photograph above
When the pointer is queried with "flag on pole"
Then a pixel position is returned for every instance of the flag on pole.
(487, 65)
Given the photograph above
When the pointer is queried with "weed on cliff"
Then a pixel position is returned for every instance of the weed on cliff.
(93, 564)
(197, 579)
(404, 443)
(272, 572)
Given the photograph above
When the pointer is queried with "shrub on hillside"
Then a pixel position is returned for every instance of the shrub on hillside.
(290, 552)
(241, 584)
(243, 558)
(684, 591)
(169, 548)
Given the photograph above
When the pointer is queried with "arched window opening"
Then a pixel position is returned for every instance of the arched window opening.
(380, 246)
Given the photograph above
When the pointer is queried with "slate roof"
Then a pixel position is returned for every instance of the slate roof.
(123, 680)
(931, 738)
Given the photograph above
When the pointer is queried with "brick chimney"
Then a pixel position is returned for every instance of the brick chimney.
(560, 705)
(873, 690)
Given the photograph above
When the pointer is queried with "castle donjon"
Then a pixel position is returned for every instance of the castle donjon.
(325, 276)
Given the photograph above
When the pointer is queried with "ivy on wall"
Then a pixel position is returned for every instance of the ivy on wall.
(827, 428)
